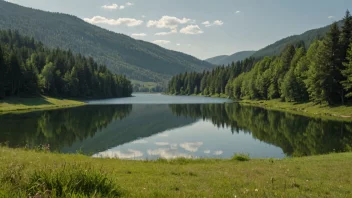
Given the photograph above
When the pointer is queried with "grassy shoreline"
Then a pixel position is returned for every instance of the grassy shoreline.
(342, 112)
(316, 176)
(20, 105)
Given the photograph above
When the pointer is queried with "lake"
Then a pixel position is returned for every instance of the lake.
(152, 126)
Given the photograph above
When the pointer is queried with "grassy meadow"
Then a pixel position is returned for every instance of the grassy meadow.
(42, 174)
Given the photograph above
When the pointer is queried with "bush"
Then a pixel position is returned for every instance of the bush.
(241, 157)
(71, 181)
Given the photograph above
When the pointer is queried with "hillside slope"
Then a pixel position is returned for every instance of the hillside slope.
(122, 54)
(306, 38)
(225, 59)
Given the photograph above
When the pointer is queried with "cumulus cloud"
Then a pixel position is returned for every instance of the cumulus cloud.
(178, 44)
(139, 34)
(238, 11)
(114, 6)
(191, 146)
(110, 7)
(168, 22)
(218, 152)
(131, 154)
(331, 17)
(174, 31)
(130, 22)
(216, 22)
(161, 42)
(191, 29)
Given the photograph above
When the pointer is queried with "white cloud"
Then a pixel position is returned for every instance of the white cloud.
(331, 17)
(216, 22)
(143, 16)
(178, 44)
(130, 22)
(139, 34)
(218, 152)
(191, 146)
(161, 42)
(114, 6)
(120, 155)
(207, 151)
(206, 23)
(168, 22)
(110, 7)
(238, 11)
(191, 29)
(161, 143)
(173, 31)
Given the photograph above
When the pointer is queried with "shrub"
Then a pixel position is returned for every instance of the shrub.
(241, 157)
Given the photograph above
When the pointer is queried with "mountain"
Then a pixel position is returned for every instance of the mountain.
(225, 59)
(276, 48)
(306, 38)
(122, 54)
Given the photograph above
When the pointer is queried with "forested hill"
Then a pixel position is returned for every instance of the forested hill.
(27, 68)
(136, 59)
(224, 60)
(276, 48)
(307, 38)
(321, 73)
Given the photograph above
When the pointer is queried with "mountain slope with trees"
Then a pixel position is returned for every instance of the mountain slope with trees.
(225, 59)
(321, 73)
(122, 54)
(27, 68)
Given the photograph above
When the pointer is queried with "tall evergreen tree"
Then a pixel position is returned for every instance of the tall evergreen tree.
(347, 72)
(2, 74)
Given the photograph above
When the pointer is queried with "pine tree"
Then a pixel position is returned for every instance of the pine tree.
(347, 72)
(2, 74)
(322, 84)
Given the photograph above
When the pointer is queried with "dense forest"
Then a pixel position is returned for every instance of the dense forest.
(296, 135)
(27, 68)
(321, 74)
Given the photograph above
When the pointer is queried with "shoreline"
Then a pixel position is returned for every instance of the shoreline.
(341, 112)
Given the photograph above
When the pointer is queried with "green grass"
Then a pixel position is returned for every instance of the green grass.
(316, 176)
(241, 157)
(16, 104)
(323, 111)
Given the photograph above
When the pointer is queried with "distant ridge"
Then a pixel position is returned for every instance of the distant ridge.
(225, 59)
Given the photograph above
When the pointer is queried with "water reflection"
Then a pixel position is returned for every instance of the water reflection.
(296, 135)
(176, 130)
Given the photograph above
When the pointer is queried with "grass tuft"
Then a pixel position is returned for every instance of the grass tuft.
(241, 157)
(72, 181)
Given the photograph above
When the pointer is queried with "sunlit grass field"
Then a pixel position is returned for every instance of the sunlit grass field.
(29, 173)
(16, 104)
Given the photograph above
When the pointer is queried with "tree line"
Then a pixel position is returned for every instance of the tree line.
(321, 74)
(27, 68)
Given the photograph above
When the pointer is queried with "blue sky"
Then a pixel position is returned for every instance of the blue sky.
(202, 28)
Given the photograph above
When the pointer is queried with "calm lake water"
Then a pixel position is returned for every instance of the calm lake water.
(152, 126)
